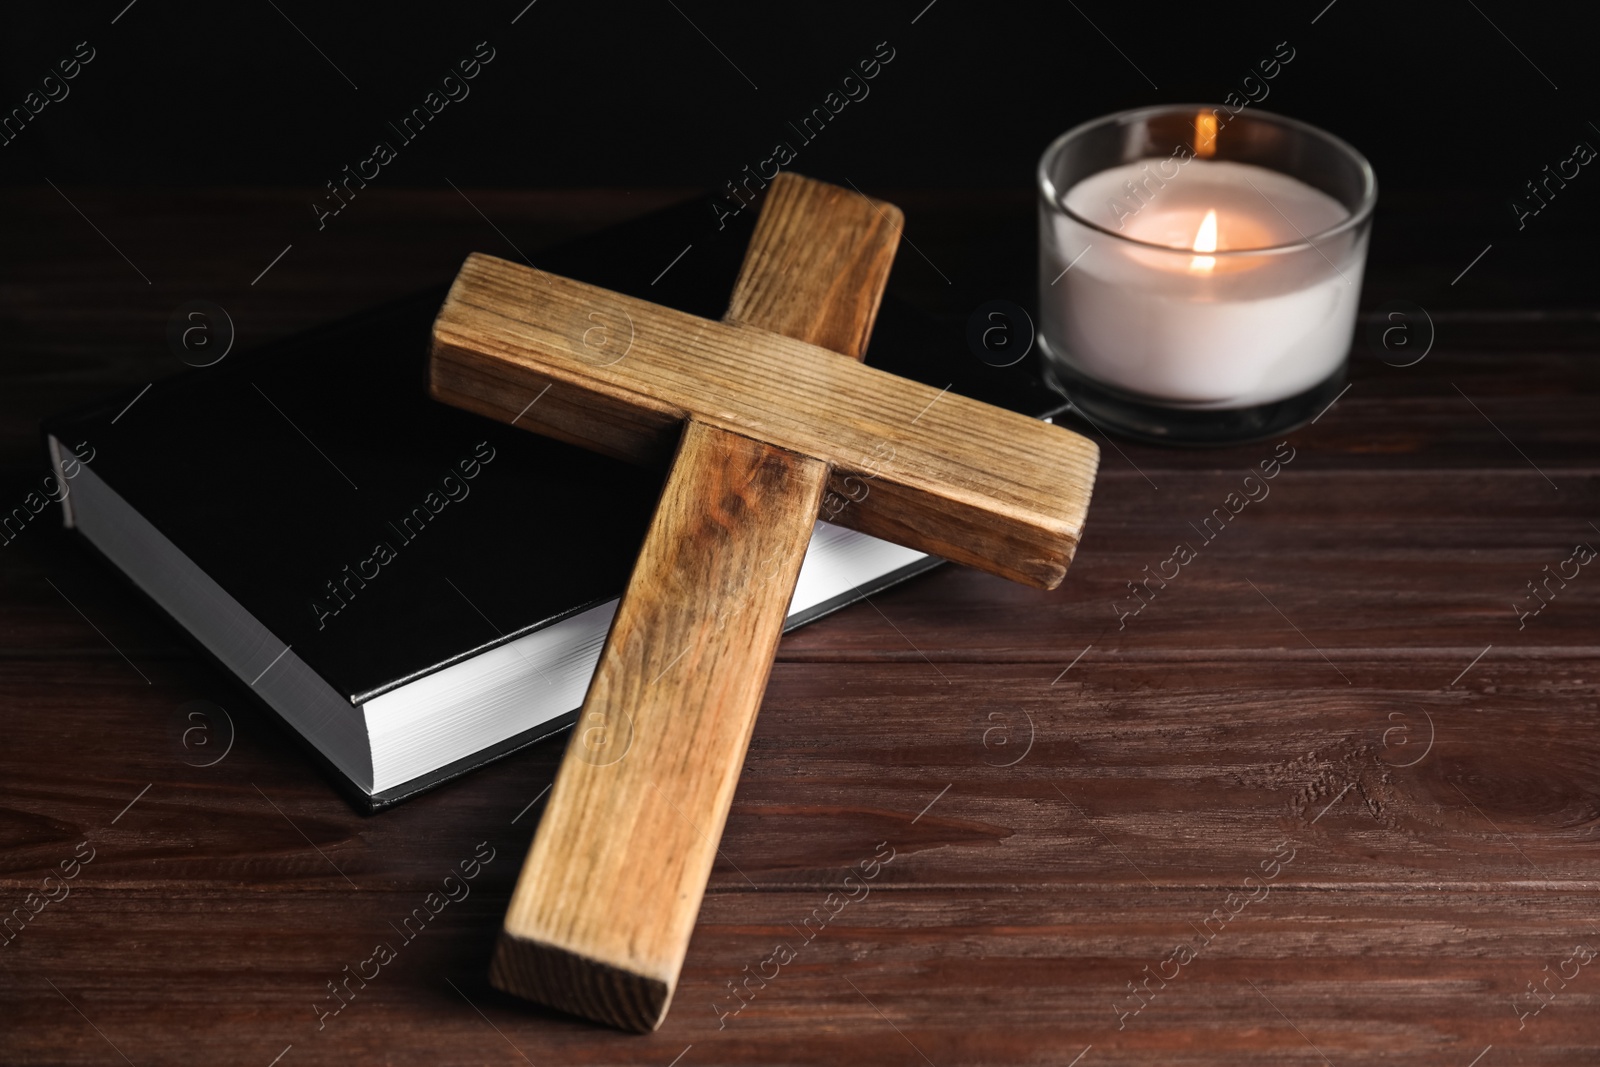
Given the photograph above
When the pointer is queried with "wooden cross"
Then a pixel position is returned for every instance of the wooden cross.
(765, 416)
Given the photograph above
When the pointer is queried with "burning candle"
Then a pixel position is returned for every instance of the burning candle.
(1199, 279)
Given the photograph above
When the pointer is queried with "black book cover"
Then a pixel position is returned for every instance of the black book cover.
(382, 535)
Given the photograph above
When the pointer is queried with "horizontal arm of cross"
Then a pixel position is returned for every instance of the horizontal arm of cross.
(932, 470)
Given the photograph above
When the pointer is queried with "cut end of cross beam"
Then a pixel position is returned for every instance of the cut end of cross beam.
(578, 985)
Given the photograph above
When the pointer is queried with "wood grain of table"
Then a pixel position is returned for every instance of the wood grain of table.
(1328, 758)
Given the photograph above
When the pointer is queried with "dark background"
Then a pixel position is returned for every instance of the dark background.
(626, 95)
(1451, 107)
(612, 94)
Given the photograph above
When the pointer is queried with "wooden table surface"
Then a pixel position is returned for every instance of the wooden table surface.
(1326, 799)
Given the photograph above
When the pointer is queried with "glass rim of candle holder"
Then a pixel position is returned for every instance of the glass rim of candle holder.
(1358, 216)
(1293, 391)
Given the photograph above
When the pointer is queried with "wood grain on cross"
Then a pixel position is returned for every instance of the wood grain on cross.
(764, 416)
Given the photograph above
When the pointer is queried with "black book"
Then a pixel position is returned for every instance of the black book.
(413, 589)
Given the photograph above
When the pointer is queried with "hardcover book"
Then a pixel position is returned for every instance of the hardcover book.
(412, 589)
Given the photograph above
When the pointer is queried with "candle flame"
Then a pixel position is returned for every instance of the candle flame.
(1205, 240)
(1205, 134)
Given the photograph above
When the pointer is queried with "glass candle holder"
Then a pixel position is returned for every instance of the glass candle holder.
(1199, 270)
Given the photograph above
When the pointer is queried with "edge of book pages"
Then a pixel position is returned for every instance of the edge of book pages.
(448, 721)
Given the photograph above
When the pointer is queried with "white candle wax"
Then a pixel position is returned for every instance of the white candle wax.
(1153, 316)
